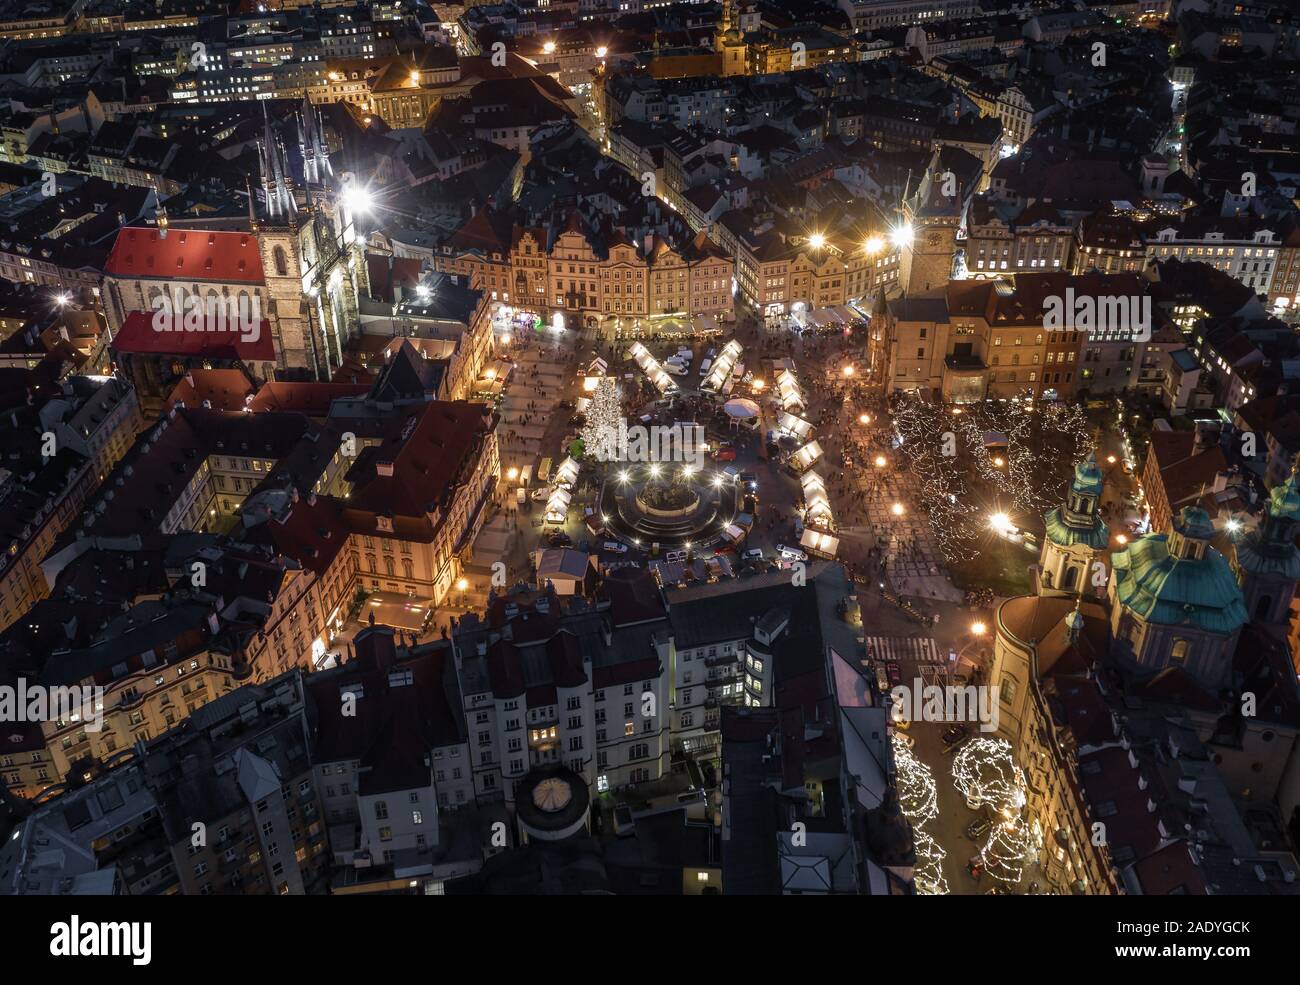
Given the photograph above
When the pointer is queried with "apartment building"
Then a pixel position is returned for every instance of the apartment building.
(91, 423)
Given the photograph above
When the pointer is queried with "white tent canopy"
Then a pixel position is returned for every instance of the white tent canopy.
(820, 543)
(789, 392)
(817, 506)
(660, 377)
(740, 408)
(567, 472)
(722, 366)
(795, 426)
(806, 456)
(557, 506)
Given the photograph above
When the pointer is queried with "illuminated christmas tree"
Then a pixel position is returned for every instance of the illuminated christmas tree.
(1012, 845)
(985, 774)
(600, 435)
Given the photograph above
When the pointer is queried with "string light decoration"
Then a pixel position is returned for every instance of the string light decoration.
(916, 788)
(604, 416)
(918, 799)
(1011, 846)
(928, 874)
(960, 478)
(986, 775)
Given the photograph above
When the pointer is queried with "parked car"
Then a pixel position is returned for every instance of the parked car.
(793, 553)
(677, 369)
(725, 454)
(706, 366)
(954, 734)
(978, 828)
(615, 547)
(560, 539)
(882, 679)
(753, 554)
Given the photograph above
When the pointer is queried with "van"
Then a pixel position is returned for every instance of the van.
(706, 366)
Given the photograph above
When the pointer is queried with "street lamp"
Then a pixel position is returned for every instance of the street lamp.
(864, 419)
(849, 370)
(896, 509)
(880, 461)
(978, 628)
(816, 241)
(901, 235)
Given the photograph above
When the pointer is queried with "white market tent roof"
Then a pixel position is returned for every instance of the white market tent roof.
(796, 426)
(806, 455)
(740, 408)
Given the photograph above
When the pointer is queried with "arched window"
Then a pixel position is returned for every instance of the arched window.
(1071, 578)
(388, 567)
(1178, 653)
(281, 262)
(1263, 607)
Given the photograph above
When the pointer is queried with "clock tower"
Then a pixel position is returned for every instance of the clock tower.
(729, 41)
(934, 213)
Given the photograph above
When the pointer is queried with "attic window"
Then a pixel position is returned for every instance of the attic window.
(180, 261)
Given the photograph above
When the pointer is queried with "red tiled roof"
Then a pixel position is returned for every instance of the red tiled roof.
(312, 399)
(427, 459)
(187, 254)
(223, 389)
(137, 334)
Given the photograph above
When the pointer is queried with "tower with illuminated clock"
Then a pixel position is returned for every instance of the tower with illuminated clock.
(933, 213)
(729, 41)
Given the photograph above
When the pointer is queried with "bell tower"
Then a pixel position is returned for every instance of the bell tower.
(729, 41)
(1075, 535)
(933, 215)
(1267, 562)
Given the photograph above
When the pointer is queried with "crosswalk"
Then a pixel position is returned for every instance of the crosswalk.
(896, 649)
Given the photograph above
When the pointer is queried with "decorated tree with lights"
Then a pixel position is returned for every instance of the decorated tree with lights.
(985, 774)
(604, 418)
(918, 800)
(1011, 845)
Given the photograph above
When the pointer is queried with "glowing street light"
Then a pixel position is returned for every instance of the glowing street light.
(1001, 523)
(873, 245)
(816, 241)
(998, 461)
(549, 47)
(623, 476)
(978, 628)
(602, 51)
(849, 370)
(880, 461)
(902, 236)
(512, 473)
(415, 78)
(896, 509)
(864, 419)
(1110, 459)
(1121, 539)
(462, 584)
(1233, 526)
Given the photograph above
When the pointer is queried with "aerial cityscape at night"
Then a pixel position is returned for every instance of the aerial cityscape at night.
(633, 447)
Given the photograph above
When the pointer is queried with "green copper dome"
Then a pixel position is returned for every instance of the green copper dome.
(1284, 502)
(1088, 479)
(1065, 527)
(1177, 588)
